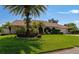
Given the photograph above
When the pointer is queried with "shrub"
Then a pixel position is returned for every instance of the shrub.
(21, 32)
(75, 32)
(47, 30)
(39, 35)
(40, 30)
(55, 31)
(61, 33)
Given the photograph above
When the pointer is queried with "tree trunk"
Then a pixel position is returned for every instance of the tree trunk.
(27, 24)
(27, 20)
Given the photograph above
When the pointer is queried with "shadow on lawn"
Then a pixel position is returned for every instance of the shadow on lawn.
(13, 45)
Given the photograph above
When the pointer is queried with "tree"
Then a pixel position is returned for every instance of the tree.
(26, 11)
(53, 20)
(8, 25)
(72, 27)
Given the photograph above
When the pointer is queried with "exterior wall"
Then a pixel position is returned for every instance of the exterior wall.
(65, 31)
(5, 31)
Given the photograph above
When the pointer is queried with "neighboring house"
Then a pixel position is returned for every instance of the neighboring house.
(20, 23)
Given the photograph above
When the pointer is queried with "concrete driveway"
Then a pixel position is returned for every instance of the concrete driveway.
(74, 50)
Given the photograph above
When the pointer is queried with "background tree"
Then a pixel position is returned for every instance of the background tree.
(72, 27)
(53, 20)
(7, 25)
(26, 11)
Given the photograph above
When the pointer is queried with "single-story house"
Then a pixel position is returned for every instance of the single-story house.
(19, 23)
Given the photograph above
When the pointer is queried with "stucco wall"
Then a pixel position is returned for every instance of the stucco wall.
(5, 31)
(65, 31)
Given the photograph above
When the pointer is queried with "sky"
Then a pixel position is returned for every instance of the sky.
(64, 13)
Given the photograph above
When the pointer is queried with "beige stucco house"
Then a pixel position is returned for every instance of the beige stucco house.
(19, 23)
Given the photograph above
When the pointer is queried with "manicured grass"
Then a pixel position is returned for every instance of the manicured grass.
(55, 42)
(11, 44)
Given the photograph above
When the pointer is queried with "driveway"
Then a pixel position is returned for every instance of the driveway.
(73, 35)
(74, 50)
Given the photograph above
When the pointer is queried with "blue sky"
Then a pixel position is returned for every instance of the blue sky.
(63, 13)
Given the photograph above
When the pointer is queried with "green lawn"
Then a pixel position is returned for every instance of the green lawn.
(55, 42)
(11, 44)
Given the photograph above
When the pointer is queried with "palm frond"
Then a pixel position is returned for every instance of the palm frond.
(34, 10)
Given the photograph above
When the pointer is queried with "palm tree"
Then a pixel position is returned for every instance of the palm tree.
(26, 11)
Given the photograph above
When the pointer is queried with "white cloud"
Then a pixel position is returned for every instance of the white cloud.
(77, 23)
(70, 12)
(74, 11)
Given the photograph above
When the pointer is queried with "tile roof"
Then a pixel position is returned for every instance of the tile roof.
(18, 23)
(47, 24)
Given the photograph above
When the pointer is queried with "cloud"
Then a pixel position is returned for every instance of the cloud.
(70, 12)
(74, 11)
(77, 23)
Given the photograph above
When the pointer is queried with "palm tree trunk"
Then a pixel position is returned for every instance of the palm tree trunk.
(27, 20)
(27, 24)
